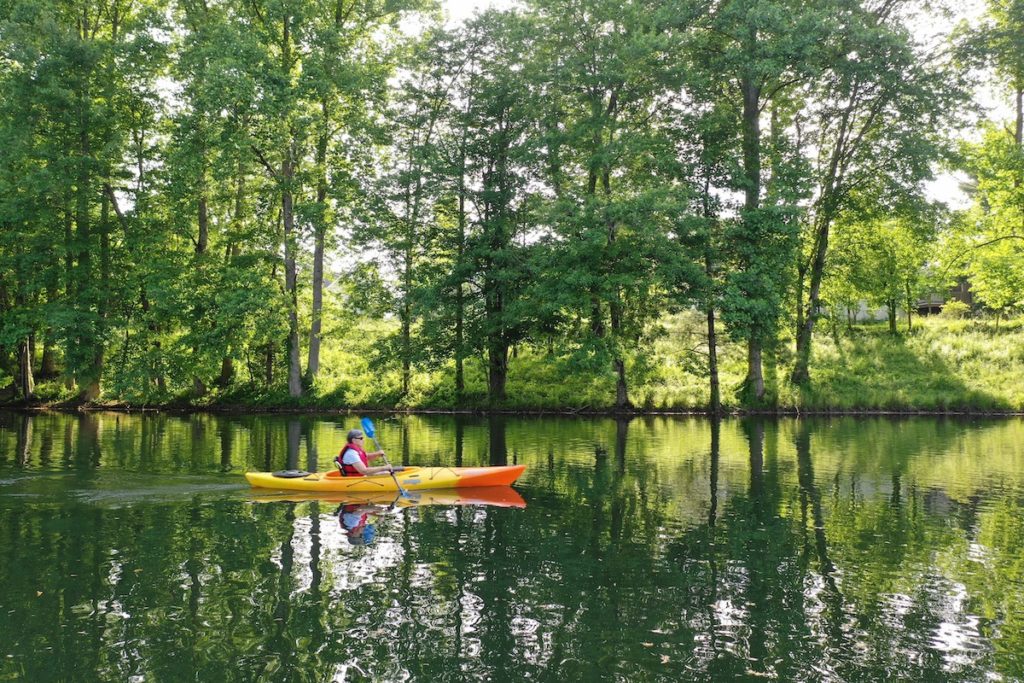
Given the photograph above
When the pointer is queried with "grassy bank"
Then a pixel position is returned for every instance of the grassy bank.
(941, 365)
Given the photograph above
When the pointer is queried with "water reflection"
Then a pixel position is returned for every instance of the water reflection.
(651, 548)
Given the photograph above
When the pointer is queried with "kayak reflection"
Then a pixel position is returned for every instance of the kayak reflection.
(357, 512)
(495, 496)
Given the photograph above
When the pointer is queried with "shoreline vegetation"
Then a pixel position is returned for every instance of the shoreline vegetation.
(557, 206)
(941, 367)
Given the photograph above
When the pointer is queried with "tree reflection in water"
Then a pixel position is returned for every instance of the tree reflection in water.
(653, 548)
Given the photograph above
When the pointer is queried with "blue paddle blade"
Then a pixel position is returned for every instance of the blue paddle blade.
(368, 427)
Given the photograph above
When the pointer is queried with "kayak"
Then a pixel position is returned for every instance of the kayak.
(411, 479)
(494, 496)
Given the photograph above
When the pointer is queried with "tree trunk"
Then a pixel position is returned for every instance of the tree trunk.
(497, 372)
(268, 365)
(48, 365)
(203, 218)
(406, 308)
(94, 387)
(26, 382)
(622, 401)
(827, 207)
(715, 398)
(910, 306)
(751, 124)
(83, 270)
(227, 372)
(313, 358)
(891, 305)
(69, 284)
(801, 273)
(290, 278)
(227, 366)
(406, 345)
(319, 236)
(204, 221)
(755, 379)
(801, 369)
(154, 330)
(715, 403)
(460, 299)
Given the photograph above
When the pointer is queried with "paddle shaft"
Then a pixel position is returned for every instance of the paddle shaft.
(376, 445)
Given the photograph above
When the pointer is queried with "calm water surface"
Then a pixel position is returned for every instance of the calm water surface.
(654, 549)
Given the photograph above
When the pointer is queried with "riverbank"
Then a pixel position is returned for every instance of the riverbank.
(941, 367)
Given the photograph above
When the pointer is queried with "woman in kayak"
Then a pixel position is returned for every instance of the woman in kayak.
(353, 461)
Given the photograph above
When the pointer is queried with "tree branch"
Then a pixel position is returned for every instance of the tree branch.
(263, 160)
(117, 209)
(955, 261)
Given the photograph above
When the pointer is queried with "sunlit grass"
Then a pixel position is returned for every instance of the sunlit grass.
(941, 365)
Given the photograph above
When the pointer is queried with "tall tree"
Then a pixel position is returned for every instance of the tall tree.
(606, 78)
(880, 110)
(79, 73)
(498, 123)
(310, 49)
(766, 50)
(415, 177)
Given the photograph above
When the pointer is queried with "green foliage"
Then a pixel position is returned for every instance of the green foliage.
(882, 262)
(987, 245)
(955, 309)
(519, 211)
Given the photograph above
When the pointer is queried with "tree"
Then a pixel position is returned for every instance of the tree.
(765, 51)
(705, 133)
(877, 119)
(413, 176)
(79, 76)
(311, 53)
(988, 244)
(884, 260)
(606, 79)
(498, 165)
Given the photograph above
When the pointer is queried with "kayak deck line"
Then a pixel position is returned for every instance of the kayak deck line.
(411, 478)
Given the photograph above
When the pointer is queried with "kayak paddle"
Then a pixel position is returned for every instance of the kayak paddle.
(372, 433)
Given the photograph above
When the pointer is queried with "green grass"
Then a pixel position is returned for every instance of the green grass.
(942, 365)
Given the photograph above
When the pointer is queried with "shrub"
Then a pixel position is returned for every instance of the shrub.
(955, 309)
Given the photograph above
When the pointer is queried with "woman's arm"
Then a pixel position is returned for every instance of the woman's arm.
(368, 471)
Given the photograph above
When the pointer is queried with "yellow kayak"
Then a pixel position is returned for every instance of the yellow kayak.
(495, 496)
(411, 479)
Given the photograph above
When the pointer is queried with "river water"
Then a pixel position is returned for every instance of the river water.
(662, 548)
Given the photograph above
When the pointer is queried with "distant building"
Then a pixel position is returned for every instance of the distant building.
(929, 304)
(962, 291)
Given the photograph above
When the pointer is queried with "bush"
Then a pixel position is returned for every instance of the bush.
(955, 309)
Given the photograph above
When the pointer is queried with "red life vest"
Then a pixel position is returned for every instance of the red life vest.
(350, 470)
